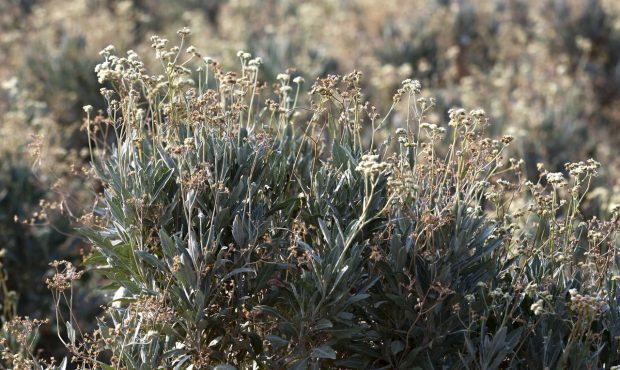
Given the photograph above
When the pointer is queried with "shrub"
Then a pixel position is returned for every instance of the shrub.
(546, 71)
(242, 229)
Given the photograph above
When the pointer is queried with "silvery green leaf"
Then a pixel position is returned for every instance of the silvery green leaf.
(237, 271)
(323, 351)
(71, 333)
(161, 185)
(224, 367)
(276, 341)
(167, 244)
(151, 260)
(238, 231)
(194, 249)
(323, 324)
(215, 341)
(300, 365)
(190, 199)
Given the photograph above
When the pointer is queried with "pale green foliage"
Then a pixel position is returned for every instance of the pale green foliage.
(251, 233)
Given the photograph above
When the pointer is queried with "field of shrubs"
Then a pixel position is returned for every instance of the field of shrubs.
(286, 184)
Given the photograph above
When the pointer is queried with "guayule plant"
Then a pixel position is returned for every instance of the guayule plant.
(242, 226)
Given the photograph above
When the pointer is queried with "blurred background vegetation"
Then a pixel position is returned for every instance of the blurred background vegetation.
(546, 72)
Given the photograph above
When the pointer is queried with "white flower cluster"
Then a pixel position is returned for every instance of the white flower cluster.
(244, 55)
(556, 179)
(114, 67)
(585, 304)
(370, 166)
(588, 167)
(537, 307)
(432, 130)
(412, 86)
(253, 64)
(457, 116)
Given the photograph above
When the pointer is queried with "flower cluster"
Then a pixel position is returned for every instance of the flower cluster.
(370, 166)
(585, 304)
